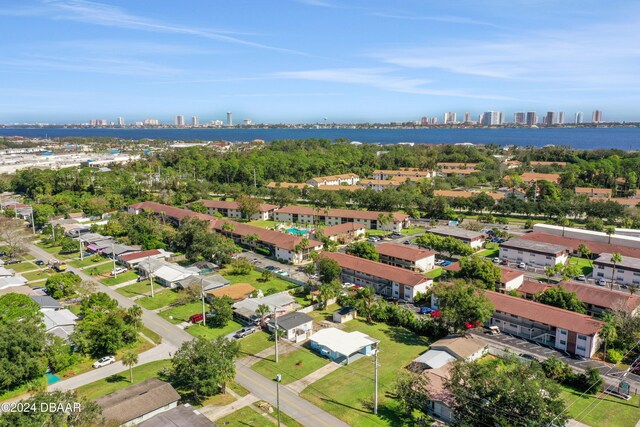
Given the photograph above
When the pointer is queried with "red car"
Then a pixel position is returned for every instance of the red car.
(436, 314)
(196, 318)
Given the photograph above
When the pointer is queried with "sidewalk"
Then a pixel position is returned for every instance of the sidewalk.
(217, 412)
(284, 347)
(314, 376)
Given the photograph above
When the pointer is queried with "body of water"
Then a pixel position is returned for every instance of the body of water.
(580, 138)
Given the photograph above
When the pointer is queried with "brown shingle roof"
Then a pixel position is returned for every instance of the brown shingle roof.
(548, 163)
(137, 400)
(341, 213)
(403, 252)
(137, 255)
(530, 287)
(275, 238)
(297, 185)
(508, 274)
(595, 247)
(340, 187)
(455, 165)
(377, 269)
(460, 171)
(532, 176)
(602, 297)
(334, 177)
(546, 314)
(341, 228)
(593, 191)
(466, 194)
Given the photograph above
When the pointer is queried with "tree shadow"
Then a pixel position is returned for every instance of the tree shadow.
(405, 336)
(116, 378)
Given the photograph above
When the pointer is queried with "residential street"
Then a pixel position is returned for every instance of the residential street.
(290, 403)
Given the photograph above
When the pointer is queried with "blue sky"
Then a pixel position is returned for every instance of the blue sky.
(303, 60)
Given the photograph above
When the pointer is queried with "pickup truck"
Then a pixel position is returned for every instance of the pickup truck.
(59, 266)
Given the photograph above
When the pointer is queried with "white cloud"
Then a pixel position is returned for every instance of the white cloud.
(111, 16)
(450, 19)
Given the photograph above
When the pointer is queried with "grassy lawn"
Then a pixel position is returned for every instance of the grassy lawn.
(370, 233)
(252, 278)
(182, 313)
(221, 399)
(99, 270)
(583, 263)
(22, 390)
(412, 230)
(213, 333)
(87, 261)
(435, 273)
(35, 275)
(610, 412)
(121, 278)
(55, 250)
(22, 267)
(348, 392)
(264, 223)
(116, 382)
(255, 343)
(156, 338)
(161, 299)
(245, 417)
(293, 366)
(136, 289)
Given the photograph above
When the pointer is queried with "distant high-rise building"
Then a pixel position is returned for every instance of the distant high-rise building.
(434, 120)
(519, 118)
(229, 119)
(120, 121)
(561, 117)
(247, 122)
(424, 121)
(492, 118)
(532, 118)
(467, 117)
(195, 121)
(579, 117)
(179, 121)
(217, 122)
(151, 122)
(550, 118)
(596, 117)
(450, 118)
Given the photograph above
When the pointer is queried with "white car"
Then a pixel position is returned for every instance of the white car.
(496, 260)
(118, 270)
(107, 360)
(601, 282)
(522, 265)
(282, 273)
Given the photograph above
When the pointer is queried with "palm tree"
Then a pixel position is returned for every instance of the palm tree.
(633, 289)
(263, 310)
(366, 299)
(608, 332)
(134, 314)
(610, 230)
(616, 259)
(564, 222)
(252, 239)
(129, 359)
(550, 272)
(583, 250)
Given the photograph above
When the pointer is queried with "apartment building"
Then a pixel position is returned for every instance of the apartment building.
(627, 271)
(406, 257)
(372, 220)
(594, 193)
(471, 238)
(534, 253)
(401, 174)
(232, 209)
(342, 179)
(388, 281)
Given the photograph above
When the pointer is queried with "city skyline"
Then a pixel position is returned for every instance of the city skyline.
(67, 61)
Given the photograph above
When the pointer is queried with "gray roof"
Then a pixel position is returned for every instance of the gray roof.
(530, 245)
(210, 282)
(345, 310)
(457, 232)
(46, 301)
(118, 249)
(137, 400)
(627, 262)
(183, 415)
(292, 320)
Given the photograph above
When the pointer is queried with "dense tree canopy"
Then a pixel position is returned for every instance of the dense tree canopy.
(363, 249)
(463, 306)
(558, 296)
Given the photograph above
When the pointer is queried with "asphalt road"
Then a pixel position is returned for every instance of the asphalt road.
(294, 406)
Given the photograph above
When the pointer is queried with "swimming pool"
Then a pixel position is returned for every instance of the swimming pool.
(296, 231)
(51, 378)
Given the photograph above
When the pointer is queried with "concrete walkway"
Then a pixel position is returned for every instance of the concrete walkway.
(217, 412)
(314, 376)
(284, 347)
(122, 285)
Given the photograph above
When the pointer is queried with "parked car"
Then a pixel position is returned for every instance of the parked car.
(581, 278)
(396, 234)
(407, 242)
(439, 262)
(271, 268)
(578, 357)
(39, 262)
(107, 360)
(601, 282)
(195, 318)
(12, 261)
(426, 310)
(522, 265)
(496, 260)
(505, 262)
(282, 273)
(118, 270)
(247, 330)
(529, 357)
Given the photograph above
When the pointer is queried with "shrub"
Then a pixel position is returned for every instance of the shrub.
(614, 356)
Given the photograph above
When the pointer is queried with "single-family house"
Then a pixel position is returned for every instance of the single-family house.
(60, 323)
(406, 257)
(46, 302)
(117, 249)
(280, 304)
(12, 281)
(534, 253)
(387, 280)
(510, 279)
(7, 272)
(343, 347)
(206, 283)
(132, 259)
(344, 314)
(181, 415)
(138, 402)
(164, 273)
(297, 326)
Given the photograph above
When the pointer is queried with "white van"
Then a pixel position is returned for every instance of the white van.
(494, 330)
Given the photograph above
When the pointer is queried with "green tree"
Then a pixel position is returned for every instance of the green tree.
(263, 311)
(133, 316)
(59, 354)
(198, 206)
(584, 251)
(556, 369)
(18, 308)
(89, 414)
(558, 296)
(249, 206)
(570, 271)
(610, 230)
(616, 259)
(363, 249)
(365, 299)
(267, 275)
(412, 392)
(198, 242)
(240, 267)
(328, 269)
(22, 356)
(482, 269)
(551, 271)
(504, 394)
(608, 333)
(204, 367)
(130, 359)
(221, 311)
(62, 285)
(12, 235)
(69, 246)
(462, 305)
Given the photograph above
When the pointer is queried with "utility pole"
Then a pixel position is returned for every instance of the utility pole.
(375, 376)
(275, 331)
(113, 257)
(150, 276)
(81, 249)
(255, 182)
(278, 379)
(53, 230)
(204, 315)
(33, 224)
